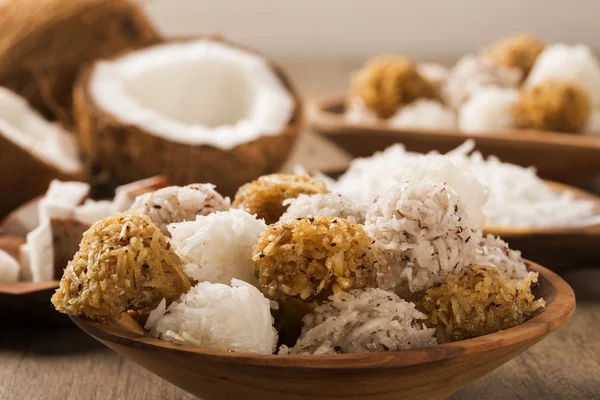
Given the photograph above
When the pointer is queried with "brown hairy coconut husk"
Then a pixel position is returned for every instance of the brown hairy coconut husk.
(33, 152)
(45, 43)
(121, 152)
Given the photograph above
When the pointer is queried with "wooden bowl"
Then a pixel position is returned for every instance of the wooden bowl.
(24, 302)
(567, 158)
(432, 372)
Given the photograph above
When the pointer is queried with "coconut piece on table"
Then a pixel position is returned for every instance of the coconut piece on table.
(33, 152)
(201, 110)
(46, 43)
(220, 244)
(9, 267)
(219, 316)
(125, 194)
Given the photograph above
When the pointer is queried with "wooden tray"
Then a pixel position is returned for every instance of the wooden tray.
(572, 159)
(428, 373)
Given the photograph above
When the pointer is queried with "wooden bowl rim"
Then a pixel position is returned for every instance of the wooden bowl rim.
(26, 288)
(329, 123)
(556, 313)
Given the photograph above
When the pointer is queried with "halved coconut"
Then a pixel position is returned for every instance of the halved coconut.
(33, 151)
(45, 43)
(202, 110)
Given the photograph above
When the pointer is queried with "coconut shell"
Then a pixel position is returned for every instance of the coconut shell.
(46, 42)
(125, 153)
(66, 236)
(23, 176)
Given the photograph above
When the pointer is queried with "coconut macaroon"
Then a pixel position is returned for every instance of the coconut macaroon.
(312, 257)
(264, 197)
(424, 114)
(179, 203)
(45, 44)
(220, 244)
(489, 109)
(470, 74)
(424, 233)
(386, 83)
(495, 252)
(576, 64)
(478, 301)
(361, 321)
(217, 316)
(33, 152)
(207, 110)
(520, 51)
(323, 205)
(554, 105)
(124, 263)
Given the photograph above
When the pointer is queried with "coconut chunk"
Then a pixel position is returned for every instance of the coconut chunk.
(125, 194)
(62, 198)
(41, 253)
(25, 262)
(9, 267)
(22, 220)
(34, 150)
(92, 211)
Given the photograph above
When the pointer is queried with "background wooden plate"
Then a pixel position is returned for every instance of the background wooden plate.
(432, 373)
(29, 303)
(572, 159)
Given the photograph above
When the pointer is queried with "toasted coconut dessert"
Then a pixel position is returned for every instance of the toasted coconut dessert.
(45, 43)
(31, 148)
(206, 109)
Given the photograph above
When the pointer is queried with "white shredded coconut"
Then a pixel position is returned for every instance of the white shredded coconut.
(214, 315)
(220, 244)
(424, 114)
(490, 109)
(493, 251)
(357, 112)
(326, 205)
(362, 321)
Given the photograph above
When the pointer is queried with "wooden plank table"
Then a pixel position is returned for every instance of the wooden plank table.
(43, 363)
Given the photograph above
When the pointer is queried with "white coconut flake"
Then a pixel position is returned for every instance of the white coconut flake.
(199, 92)
(41, 252)
(424, 114)
(490, 109)
(61, 198)
(214, 315)
(495, 252)
(362, 321)
(91, 211)
(26, 128)
(326, 205)
(9, 268)
(220, 244)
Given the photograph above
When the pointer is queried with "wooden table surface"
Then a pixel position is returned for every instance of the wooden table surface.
(63, 363)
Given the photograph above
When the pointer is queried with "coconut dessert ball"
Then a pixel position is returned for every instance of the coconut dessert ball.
(323, 205)
(553, 105)
(361, 321)
(264, 197)
(313, 257)
(490, 109)
(124, 263)
(495, 252)
(478, 301)
(423, 232)
(471, 74)
(179, 203)
(427, 114)
(520, 51)
(217, 316)
(356, 111)
(220, 245)
(576, 64)
(386, 83)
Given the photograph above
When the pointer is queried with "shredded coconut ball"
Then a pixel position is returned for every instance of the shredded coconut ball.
(423, 232)
(220, 244)
(177, 204)
(323, 205)
(425, 114)
(490, 109)
(362, 321)
(493, 251)
(214, 315)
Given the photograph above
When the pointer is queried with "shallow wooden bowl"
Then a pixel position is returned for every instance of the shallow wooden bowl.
(23, 302)
(427, 373)
(572, 159)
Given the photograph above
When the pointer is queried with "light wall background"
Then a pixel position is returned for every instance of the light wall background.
(436, 29)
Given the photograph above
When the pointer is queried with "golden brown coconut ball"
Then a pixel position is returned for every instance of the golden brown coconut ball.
(478, 301)
(386, 83)
(124, 263)
(519, 51)
(264, 196)
(553, 105)
(311, 258)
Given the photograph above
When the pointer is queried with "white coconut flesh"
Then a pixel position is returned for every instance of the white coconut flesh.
(9, 268)
(200, 92)
(48, 142)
